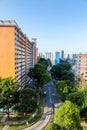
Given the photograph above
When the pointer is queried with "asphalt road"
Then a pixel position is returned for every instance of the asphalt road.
(51, 101)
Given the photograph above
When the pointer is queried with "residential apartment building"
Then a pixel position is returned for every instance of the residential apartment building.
(81, 66)
(17, 53)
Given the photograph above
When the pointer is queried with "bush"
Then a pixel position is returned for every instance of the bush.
(52, 126)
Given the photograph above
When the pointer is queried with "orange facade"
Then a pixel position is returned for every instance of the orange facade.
(7, 51)
(17, 53)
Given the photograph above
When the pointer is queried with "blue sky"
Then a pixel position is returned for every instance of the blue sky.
(57, 24)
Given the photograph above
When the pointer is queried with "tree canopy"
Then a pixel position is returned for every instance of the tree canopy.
(39, 73)
(78, 98)
(53, 126)
(63, 88)
(62, 71)
(7, 92)
(44, 62)
(45, 78)
(27, 101)
(67, 115)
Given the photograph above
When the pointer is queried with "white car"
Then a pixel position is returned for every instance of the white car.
(45, 92)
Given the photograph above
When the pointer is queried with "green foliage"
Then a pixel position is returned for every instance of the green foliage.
(39, 73)
(27, 93)
(62, 71)
(78, 98)
(68, 75)
(67, 115)
(27, 101)
(7, 91)
(63, 88)
(83, 114)
(44, 62)
(53, 126)
(20, 109)
(49, 62)
(82, 87)
(16, 97)
(45, 78)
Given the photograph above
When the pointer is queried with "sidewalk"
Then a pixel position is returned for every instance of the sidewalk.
(3, 117)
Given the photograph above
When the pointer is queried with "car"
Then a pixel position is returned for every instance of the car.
(45, 92)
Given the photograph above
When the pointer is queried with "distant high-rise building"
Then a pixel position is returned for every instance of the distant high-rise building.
(41, 55)
(34, 40)
(57, 58)
(73, 56)
(17, 52)
(62, 54)
(49, 55)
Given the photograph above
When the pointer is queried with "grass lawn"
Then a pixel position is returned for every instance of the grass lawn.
(1, 127)
(17, 127)
(20, 118)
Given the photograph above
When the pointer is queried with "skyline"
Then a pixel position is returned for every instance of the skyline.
(57, 24)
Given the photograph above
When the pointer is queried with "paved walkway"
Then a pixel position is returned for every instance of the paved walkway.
(3, 117)
(41, 124)
(6, 127)
(7, 123)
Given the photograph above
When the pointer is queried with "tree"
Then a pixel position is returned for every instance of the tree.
(45, 78)
(67, 115)
(30, 95)
(7, 91)
(63, 88)
(49, 62)
(53, 126)
(39, 73)
(78, 98)
(44, 62)
(36, 72)
(27, 101)
(62, 71)
(67, 75)
(83, 114)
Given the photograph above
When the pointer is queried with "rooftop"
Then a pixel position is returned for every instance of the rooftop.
(8, 23)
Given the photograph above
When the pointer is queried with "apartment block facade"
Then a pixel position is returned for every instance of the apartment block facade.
(81, 66)
(17, 52)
